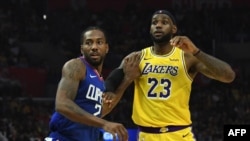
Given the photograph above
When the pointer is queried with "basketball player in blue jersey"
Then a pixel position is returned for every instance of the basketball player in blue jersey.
(78, 105)
(163, 81)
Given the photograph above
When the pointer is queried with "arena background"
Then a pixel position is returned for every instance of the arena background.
(37, 37)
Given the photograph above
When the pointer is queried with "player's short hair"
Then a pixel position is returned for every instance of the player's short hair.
(166, 13)
(93, 28)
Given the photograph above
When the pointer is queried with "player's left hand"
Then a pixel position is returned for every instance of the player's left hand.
(184, 43)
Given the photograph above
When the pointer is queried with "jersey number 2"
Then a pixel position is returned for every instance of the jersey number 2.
(98, 107)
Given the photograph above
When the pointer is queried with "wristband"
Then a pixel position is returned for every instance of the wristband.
(197, 52)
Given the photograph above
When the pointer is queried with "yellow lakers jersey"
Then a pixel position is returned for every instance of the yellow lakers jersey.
(162, 92)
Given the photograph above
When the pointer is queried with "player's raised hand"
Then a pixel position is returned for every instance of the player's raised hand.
(131, 66)
(184, 43)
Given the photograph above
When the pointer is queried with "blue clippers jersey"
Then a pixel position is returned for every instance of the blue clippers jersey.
(89, 98)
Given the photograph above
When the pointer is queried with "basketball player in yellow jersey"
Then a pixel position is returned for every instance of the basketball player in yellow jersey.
(163, 81)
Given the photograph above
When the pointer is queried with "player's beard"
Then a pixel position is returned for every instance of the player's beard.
(94, 63)
(164, 39)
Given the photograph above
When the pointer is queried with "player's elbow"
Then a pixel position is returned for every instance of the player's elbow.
(59, 107)
(229, 76)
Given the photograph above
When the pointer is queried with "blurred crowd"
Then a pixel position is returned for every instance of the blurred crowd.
(24, 118)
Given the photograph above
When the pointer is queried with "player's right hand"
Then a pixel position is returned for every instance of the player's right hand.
(117, 130)
(108, 97)
(131, 66)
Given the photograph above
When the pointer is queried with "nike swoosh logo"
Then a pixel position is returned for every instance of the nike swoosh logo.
(92, 76)
(185, 135)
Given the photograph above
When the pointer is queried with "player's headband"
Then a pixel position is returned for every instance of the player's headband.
(166, 13)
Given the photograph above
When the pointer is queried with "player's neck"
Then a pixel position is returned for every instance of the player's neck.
(161, 49)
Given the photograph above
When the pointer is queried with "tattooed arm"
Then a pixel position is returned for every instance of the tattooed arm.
(214, 68)
(199, 61)
(73, 72)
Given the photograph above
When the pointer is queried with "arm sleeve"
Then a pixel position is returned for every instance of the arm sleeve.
(113, 80)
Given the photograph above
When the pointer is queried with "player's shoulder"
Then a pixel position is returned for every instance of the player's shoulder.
(73, 62)
(74, 65)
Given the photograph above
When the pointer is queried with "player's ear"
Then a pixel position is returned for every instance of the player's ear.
(174, 29)
(107, 48)
(81, 49)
